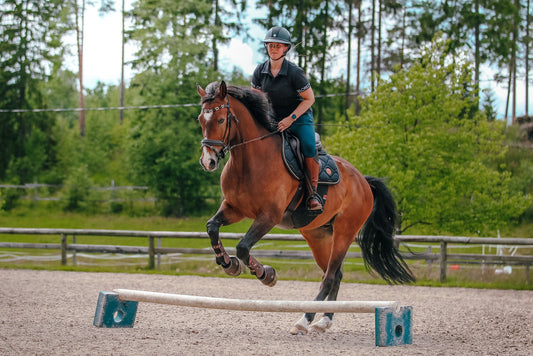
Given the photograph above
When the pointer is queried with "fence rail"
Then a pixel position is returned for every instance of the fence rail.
(153, 251)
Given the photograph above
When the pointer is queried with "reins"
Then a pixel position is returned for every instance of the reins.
(225, 146)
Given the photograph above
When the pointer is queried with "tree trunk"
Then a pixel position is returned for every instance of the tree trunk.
(509, 83)
(514, 59)
(320, 117)
(528, 24)
(378, 60)
(215, 47)
(359, 24)
(372, 40)
(402, 49)
(477, 46)
(80, 15)
(349, 64)
(121, 112)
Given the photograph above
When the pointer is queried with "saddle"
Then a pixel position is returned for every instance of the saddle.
(294, 162)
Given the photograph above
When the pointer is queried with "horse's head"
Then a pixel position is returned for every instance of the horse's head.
(216, 121)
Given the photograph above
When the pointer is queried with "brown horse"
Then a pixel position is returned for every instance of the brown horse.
(256, 185)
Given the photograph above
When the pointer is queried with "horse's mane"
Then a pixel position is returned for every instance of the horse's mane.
(256, 102)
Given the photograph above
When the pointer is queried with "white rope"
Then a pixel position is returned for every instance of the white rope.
(142, 107)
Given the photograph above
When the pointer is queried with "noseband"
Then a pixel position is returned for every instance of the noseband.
(225, 146)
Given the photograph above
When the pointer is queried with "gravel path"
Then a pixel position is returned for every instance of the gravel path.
(51, 313)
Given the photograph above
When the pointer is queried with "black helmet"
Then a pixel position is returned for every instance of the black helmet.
(279, 35)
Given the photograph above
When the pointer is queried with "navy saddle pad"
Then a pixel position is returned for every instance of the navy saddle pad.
(329, 172)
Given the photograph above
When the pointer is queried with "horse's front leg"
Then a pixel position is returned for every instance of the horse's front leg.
(266, 274)
(224, 216)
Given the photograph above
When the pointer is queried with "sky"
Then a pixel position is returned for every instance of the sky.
(102, 57)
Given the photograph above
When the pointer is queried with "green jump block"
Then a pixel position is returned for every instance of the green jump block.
(394, 327)
(111, 312)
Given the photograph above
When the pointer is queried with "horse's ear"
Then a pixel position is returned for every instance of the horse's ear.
(223, 91)
(201, 91)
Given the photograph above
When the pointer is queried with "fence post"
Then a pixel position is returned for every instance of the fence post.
(527, 274)
(63, 249)
(36, 192)
(151, 253)
(74, 251)
(429, 261)
(113, 194)
(443, 257)
(159, 255)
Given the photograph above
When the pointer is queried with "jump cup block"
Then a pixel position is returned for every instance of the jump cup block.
(393, 327)
(111, 312)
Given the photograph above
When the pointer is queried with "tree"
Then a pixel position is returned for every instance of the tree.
(173, 56)
(164, 146)
(417, 130)
(31, 51)
(225, 24)
(78, 8)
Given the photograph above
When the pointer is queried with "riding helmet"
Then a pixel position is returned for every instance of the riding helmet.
(279, 35)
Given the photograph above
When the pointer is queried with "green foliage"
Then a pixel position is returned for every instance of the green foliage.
(419, 130)
(164, 146)
(29, 47)
(76, 192)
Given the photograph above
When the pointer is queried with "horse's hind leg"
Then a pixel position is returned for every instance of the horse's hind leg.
(330, 289)
(329, 249)
(327, 320)
(231, 265)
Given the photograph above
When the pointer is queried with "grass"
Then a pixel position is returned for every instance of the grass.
(45, 216)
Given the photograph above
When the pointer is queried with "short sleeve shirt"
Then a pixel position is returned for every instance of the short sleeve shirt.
(284, 89)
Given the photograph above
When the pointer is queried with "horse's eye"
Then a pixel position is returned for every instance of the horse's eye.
(221, 121)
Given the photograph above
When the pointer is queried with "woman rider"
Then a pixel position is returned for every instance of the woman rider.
(291, 96)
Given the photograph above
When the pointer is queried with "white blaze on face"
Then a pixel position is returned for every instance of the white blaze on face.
(208, 116)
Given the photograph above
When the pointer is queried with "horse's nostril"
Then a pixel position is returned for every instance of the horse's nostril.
(212, 164)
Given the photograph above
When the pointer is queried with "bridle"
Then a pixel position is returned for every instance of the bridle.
(225, 146)
(209, 143)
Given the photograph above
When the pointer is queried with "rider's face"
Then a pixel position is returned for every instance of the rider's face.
(276, 47)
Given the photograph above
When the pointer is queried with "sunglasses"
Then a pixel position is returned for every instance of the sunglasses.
(275, 45)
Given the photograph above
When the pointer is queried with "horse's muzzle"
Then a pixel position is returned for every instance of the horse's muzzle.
(209, 160)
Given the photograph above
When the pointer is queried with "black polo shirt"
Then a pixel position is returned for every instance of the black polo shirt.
(284, 89)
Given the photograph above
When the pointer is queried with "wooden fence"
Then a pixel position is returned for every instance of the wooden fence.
(443, 257)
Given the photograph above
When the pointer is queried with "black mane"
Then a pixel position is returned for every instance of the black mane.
(256, 102)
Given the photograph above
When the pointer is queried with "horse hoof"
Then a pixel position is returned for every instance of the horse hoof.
(322, 325)
(269, 276)
(300, 328)
(234, 269)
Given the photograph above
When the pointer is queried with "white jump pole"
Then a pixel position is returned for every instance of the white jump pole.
(117, 309)
(255, 305)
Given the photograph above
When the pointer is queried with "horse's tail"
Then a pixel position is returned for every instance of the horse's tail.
(377, 237)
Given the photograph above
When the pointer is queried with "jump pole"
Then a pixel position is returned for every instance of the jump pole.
(393, 322)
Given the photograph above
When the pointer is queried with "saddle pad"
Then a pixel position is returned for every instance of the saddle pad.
(329, 172)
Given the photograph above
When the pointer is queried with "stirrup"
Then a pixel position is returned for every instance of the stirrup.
(317, 210)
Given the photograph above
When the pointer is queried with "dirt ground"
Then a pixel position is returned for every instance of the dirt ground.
(51, 313)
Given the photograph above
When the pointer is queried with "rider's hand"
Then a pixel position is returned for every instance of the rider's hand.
(285, 124)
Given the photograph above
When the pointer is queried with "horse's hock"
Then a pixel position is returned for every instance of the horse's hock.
(393, 322)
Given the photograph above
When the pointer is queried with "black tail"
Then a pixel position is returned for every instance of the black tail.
(377, 237)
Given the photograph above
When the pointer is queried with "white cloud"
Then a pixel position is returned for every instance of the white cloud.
(102, 49)
(238, 54)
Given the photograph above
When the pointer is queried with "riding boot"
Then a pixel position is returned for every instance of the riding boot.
(313, 203)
